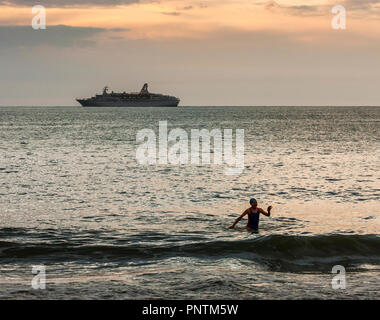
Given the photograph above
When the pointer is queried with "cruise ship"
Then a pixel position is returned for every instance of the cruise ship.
(133, 99)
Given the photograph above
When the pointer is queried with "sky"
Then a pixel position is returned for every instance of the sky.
(207, 52)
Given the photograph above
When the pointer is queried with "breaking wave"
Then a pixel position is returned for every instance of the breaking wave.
(276, 251)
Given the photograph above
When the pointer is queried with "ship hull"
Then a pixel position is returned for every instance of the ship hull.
(126, 103)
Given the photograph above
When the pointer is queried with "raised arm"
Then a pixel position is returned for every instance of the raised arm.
(266, 213)
(238, 219)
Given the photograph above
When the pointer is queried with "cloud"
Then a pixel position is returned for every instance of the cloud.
(56, 36)
(298, 10)
(66, 3)
(322, 9)
(171, 13)
(361, 4)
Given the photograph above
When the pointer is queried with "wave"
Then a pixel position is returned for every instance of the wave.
(280, 252)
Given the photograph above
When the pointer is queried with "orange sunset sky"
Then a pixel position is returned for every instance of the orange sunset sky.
(226, 52)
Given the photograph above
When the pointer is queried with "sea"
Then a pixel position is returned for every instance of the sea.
(81, 218)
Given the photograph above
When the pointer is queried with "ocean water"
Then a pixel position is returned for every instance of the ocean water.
(75, 201)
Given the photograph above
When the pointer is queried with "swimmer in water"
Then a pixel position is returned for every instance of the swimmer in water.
(253, 216)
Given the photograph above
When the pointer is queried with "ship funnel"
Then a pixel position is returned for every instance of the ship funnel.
(144, 89)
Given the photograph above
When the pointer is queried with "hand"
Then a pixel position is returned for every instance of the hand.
(231, 227)
(269, 209)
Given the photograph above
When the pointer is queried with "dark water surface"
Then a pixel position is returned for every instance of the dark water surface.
(74, 199)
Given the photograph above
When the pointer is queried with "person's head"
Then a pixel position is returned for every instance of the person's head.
(253, 203)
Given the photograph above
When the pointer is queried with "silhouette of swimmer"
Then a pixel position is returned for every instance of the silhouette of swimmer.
(253, 216)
